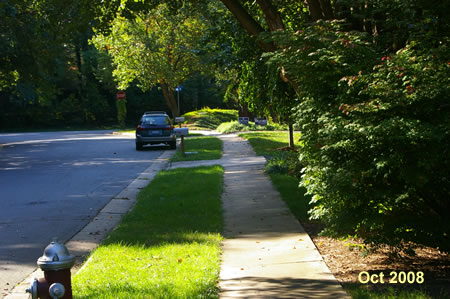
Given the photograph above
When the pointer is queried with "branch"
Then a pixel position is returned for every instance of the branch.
(249, 24)
(271, 15)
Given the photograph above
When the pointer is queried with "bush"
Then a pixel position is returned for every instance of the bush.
(208, 118)
(375, 134)
(235, 126)
(284, 162)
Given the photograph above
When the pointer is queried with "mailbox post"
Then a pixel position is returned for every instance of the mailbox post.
(179, 120)
(181, 132)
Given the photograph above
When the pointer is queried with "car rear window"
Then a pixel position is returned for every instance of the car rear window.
(155, 120)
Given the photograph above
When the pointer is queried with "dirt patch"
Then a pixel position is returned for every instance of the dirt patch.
(347, 259)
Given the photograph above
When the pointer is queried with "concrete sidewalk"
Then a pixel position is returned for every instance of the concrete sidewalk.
(266, 253)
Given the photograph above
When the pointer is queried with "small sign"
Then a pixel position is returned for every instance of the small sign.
(121, 95)
(243, 120)
(261, 121)
(179, 119)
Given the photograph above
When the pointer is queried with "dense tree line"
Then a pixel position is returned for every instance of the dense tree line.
(52, 76)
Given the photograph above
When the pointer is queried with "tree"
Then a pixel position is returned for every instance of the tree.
(274, 23)
(45, 64)
(375, 129)
(371, 107)
(155, 48)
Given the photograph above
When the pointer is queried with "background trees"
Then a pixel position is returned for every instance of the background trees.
(51, 76)
(154, 47)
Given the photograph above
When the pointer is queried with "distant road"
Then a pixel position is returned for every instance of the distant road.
(52, 184)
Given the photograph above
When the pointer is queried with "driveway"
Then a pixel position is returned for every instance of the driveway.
(52, 184)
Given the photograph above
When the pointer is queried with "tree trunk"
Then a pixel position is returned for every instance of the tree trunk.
(327, 10)
(315, 10)
(271, 15)
(169, 96)
(291, 135)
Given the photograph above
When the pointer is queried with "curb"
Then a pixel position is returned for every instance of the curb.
(91, 235)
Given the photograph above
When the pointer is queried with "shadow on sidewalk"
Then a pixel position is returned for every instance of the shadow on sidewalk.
(285, 287)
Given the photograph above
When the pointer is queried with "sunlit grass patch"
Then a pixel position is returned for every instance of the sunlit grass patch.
(168, 246)
(199, 148)
(210, 119)
(267, 142)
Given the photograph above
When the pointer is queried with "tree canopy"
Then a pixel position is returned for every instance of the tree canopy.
(155, 48)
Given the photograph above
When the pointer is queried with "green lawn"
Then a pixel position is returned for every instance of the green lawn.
(200, 148)
(265, 143)
(209, 119)
(168, 246)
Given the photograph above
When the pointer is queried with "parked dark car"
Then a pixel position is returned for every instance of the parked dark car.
(155, 127)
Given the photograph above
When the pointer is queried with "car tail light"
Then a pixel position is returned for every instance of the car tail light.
(139, 128)
(169, 128)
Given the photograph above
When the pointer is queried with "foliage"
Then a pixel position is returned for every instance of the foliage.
(235, 126)
(50, 77)
(284, 162)
(208, 118)
(46, 70)
(375, 133)
(273, 145)
(154, 47)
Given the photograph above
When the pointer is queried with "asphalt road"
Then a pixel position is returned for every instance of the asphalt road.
(52, 184)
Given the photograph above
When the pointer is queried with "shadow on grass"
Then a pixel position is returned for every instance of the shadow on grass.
(180, 205)
(168, 246)
(151, 290)
(264, 146)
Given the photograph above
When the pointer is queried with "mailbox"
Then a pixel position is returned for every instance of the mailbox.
(179, 119)
(243, 120)
(181, 131)
(261, 121)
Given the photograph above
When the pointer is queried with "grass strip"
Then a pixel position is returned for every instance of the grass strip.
(292, 194)
(168, 246)
(267, 142)
(200, 148)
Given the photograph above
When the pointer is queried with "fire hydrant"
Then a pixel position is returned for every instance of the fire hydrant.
(56, 263)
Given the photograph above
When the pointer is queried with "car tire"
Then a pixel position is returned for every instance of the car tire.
(139, 146)
(173, 145)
